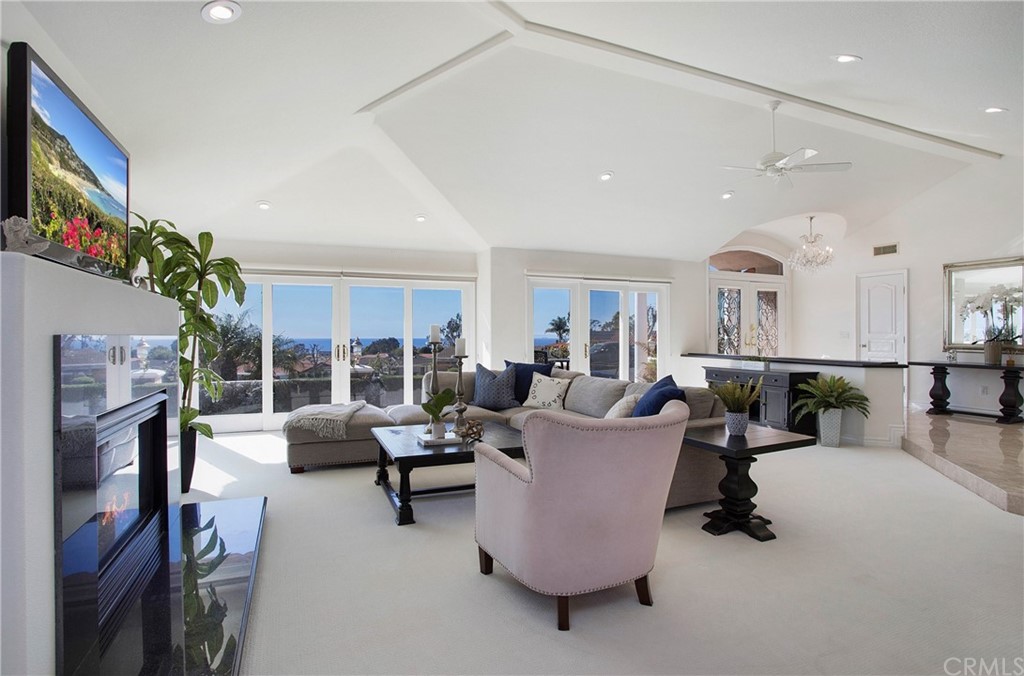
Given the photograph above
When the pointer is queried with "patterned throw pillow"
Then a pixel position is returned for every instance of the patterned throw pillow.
(524, 377)
(495, 392)
(547, 392)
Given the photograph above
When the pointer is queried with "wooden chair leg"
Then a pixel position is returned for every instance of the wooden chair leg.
(486, 562)
(563, 613)
(643, 591)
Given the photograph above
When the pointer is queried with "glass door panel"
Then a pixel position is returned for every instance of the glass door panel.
(767, 323)
(240, 356)
(301, 345)
(377, 335)
(442, 307)
(728, 320)
(552, 331)
(643, 337)
(605, 325)
(748, 318)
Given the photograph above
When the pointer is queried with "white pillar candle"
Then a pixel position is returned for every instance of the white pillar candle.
(435, 333)
(460, 346)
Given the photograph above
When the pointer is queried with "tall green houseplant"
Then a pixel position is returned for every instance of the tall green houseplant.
(828, 397)
(179, 269)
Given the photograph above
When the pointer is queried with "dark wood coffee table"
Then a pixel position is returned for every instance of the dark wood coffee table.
(737, 512)
(400, 444)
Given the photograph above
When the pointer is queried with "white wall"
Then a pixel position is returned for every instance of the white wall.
(318, 258)
(39, 299)
(978, 213)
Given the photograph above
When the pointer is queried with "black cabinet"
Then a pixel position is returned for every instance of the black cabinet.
(778, 392)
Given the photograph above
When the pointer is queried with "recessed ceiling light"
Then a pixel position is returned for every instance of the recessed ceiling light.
(221, 11)
(846, 58)
(727, 195)
(606, 176)
(996, 109)
(263, 205)
(421, 218)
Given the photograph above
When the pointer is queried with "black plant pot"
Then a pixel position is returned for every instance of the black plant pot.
(188, 457)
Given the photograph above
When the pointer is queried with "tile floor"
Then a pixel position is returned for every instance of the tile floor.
(976, 452)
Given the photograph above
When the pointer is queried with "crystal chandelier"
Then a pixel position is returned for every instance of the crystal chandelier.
(811, 256)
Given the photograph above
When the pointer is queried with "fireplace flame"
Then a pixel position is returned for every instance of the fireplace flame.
(115, 508)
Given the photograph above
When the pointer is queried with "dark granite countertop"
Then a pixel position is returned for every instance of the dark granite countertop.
(800, 360)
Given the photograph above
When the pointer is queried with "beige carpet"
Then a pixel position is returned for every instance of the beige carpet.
(881, 566)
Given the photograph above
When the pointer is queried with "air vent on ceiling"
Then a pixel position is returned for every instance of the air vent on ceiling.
(887, 249)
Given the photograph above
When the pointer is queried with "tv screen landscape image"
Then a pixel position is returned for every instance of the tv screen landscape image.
(68, 175)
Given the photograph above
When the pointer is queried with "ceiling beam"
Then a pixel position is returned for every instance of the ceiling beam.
(463, 58)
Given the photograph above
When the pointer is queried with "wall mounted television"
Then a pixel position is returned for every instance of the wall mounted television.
(67, 175)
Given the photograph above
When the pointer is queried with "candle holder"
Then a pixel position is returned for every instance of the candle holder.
(460, 406)
(435, 347)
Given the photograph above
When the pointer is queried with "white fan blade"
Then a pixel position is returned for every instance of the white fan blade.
(796, 157)
(739, 168)
(823, 166)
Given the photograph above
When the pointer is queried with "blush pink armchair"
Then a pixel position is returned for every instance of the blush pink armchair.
(586, 513)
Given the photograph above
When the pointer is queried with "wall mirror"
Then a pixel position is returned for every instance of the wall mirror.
(982, 302)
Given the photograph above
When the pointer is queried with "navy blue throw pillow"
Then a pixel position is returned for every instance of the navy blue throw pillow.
(524, 377)
(655, 399)
(494, 392)
(667, 381)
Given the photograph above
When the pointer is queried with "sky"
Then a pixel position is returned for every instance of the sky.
(108, 163)
(551, 303)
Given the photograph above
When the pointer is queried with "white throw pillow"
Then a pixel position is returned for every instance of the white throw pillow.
(623, 408)
(547, 392)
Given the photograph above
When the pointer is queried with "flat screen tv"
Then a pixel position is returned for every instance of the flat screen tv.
(67, 175)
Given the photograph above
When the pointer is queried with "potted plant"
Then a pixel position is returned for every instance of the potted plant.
(738, 399)
(828, 396)
(435, 409)
(179, 269)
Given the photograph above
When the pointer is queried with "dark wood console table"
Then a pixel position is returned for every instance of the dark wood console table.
(778, 392)
(1010, 400)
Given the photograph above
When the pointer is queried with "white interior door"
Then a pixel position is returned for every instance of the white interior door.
(882, 316)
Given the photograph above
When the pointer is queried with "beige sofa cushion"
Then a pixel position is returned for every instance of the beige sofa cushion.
(623, 408)
(594, 396)
(413, 414)
(701, 401)
(519, 418)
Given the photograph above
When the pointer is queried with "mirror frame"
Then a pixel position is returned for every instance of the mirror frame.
(948, 271)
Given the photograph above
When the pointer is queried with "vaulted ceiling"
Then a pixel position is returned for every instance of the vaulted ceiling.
(495, 120)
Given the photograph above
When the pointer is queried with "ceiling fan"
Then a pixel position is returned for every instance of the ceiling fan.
(778, 165)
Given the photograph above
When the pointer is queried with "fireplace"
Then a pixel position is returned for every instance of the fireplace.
(112, 538)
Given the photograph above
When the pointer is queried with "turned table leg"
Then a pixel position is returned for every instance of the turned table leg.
(1010, 399)
(737, 512)
(939, 392)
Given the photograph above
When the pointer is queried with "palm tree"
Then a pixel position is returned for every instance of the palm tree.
(239, 342)
(560, 327)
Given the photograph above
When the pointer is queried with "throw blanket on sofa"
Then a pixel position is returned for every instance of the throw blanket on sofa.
(325, 420)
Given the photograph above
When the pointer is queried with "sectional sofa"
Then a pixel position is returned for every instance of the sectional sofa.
(697, 473)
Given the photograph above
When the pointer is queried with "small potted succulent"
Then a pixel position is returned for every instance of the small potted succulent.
(828, 396)
(434, 407)
(738, 399)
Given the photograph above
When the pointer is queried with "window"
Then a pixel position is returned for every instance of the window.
(748, 307)
(611, 347)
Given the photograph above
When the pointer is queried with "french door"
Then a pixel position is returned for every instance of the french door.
(321, 340)
(617, 325)
(748, 315)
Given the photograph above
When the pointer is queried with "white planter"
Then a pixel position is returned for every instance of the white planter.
(829, 422)
(736, 423)
(438, 430)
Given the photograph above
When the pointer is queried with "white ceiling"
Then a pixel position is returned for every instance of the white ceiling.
(502, 147)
